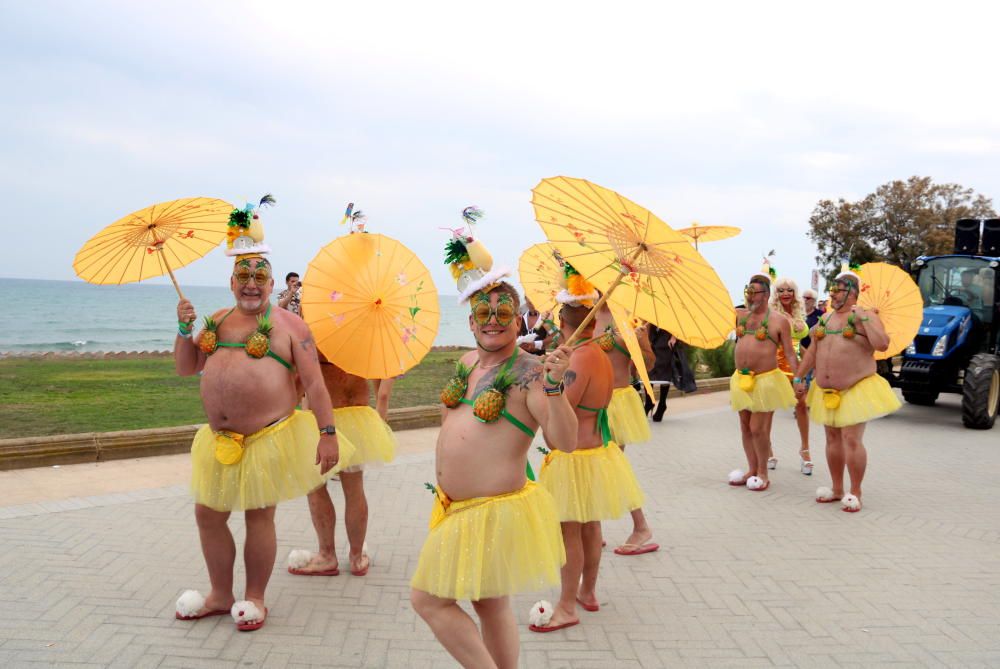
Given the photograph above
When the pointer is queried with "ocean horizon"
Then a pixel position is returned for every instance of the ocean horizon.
(75, 316)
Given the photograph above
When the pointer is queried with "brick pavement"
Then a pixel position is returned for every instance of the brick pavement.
(743, 579)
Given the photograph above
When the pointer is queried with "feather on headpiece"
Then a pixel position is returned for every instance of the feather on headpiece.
(245, 235)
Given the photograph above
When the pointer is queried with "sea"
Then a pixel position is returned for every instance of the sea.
(68, 316)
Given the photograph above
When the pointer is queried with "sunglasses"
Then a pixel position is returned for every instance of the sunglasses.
(837, 290)
(260, 276)
(750, 291)
(483, 312)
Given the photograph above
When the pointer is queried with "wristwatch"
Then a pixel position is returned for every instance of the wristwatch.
(329, 429)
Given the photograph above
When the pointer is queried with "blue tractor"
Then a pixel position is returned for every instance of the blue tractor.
(955, 350)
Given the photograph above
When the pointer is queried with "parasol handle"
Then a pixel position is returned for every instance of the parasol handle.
(604, 298)
(163, 257)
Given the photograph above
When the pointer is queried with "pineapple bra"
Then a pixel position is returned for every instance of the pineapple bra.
(506, 414)
(742, 324)
(242, 344)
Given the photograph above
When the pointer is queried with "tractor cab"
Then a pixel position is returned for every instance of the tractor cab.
(955, 349)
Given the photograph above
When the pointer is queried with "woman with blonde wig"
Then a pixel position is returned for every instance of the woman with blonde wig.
(786, 299)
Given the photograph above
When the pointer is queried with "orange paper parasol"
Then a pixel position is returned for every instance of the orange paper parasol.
(539, 272)
(614, 242)
(154, 241)
(371, 305)
(900, 307)
(709, 233)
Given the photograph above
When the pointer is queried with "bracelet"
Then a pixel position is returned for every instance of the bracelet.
(184, 328)
(182, 334)
(554, 391)
(549, 379)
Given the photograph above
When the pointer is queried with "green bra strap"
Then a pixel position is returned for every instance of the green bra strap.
(230, 344)
(508, 415)
(528, 471)
(272, 354)
(622, 350)
(603, 424)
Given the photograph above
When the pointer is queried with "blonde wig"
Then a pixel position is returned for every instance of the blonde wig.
(798, 308)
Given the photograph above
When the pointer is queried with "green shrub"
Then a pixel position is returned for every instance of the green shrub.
(720, 361)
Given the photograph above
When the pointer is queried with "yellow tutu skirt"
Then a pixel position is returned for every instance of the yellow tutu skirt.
(591, 484)
(869, 398)
(276, 464)
(769, 391)
(629, 424)
(488, 547)
(374, 442)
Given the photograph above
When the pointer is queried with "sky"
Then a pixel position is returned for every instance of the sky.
(742, 114)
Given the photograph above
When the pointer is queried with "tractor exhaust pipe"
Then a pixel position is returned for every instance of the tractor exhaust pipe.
(967, 236)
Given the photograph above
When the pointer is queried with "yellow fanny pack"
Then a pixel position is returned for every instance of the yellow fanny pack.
(229, 447)
(747, 380)
(831, 398)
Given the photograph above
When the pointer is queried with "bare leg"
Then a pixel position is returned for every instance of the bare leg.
(802, 419)
(219, 549)
(590, 535)
(760, 434)
(324, 520)
(855, 455)
(259, 552)
(565, 611)
(499, 629)
(748, 449)
(454, 628)
(355, 517)
(641, 533)
(835, 459)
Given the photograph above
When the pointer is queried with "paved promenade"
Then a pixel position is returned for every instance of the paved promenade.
(92, 558)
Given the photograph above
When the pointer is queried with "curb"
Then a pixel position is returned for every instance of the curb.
(72, 449)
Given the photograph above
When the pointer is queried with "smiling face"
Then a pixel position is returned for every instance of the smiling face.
(493, 319)
(252, 284)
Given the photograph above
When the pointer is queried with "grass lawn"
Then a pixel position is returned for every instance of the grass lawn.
(66, 395)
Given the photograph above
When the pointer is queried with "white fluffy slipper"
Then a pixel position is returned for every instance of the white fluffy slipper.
(736, 476)
(189, 603)
(851, 503)
(755, 483)
(298, 558)
(825, 495)
(541, 613)
(245, 612)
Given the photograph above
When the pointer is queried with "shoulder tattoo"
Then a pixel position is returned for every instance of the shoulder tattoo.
(569, 377)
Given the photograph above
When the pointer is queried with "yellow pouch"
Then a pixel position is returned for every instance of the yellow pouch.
(831, 398)
(440, 510)
(228, 447)
(747, 381)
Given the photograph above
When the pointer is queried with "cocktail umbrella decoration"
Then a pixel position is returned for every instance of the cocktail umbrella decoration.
(154, 241)
(371, 305)
(709, 233)
(900, 307)
(635, 258)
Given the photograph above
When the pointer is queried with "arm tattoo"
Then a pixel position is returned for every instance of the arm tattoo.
(529, 376)
(569, 377)
(308, 346)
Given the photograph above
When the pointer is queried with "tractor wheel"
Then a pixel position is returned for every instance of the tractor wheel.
(981, 392)
(920, 399)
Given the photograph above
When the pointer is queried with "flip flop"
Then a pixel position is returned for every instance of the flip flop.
(636, 549)
(851, 504)
(552, 628)
(362, 572)
(826, 496)
(326, 572)
(207, 614)
(255, 625)
(588, 607)
(756, 484)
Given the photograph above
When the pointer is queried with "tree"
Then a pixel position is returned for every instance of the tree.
(898, 222)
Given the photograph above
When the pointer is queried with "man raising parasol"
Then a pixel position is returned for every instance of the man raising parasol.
(846, 392)
(492, 533)
(758, 387)
(256, 449)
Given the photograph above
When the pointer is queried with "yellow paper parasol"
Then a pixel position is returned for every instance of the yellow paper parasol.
(539, 272)
(371, 305)
(612, 241)
(709, 233)
(900, 307)
(154, 241)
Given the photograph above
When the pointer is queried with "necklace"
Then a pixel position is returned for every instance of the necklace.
(482, 366)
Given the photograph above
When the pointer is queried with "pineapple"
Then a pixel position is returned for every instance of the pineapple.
(259, 343)
(820, 331)
(454, 391)
(208, 340)
(761, 333)
(848, 332)
(490, 403)
(606, 341)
